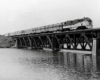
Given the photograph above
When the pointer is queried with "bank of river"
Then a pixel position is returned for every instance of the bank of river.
(5, 42)
(23, 64)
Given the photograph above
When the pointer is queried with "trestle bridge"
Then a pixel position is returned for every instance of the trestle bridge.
(72, 40)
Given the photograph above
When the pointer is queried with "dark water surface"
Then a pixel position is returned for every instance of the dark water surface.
(21, 64)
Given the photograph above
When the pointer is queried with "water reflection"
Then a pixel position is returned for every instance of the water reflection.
(19, 64)
(78, 62)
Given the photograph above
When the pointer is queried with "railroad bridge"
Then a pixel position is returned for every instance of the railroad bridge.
(72, 40)
(86, 40)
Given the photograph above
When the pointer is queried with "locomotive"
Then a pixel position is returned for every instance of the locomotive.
(77, 24)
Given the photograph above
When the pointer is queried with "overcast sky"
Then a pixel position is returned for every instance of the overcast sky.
(23, 14)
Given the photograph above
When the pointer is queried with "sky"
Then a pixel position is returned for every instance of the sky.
(18, 15)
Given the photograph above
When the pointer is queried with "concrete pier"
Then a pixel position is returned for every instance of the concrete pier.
(96, 54)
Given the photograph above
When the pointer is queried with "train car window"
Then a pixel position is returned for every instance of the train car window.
(67, 23)
(79, 20)
(61, 23)
(71, 22)
(75, 21)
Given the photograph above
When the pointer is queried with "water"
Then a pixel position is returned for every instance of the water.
(21, 64)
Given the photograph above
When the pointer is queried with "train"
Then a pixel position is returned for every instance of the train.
(70, 25)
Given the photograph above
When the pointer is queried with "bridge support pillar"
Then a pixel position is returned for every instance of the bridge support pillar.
(55, 43)
(17, 44)
(96, 54)
(30, 42)
(68, 46)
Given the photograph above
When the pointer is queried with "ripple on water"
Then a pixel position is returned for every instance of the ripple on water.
(18, 64)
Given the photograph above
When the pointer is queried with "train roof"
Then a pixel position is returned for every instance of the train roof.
(75, 21)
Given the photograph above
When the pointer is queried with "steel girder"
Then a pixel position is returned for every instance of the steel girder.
(57, 41)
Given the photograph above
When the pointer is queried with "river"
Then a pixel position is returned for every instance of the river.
(22, 64)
